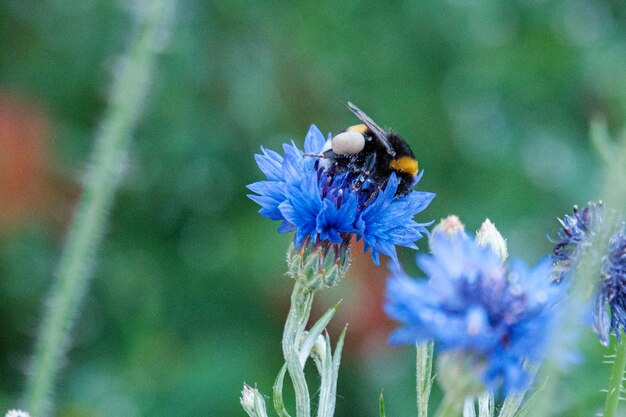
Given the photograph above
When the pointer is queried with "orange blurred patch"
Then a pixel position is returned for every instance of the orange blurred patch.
(23, 135)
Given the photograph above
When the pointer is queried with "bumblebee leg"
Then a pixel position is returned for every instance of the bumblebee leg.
(359, 182)
(368, 167)
(330, 154)
(370, 163)
(372, 196)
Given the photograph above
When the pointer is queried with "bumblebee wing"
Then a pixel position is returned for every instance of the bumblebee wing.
(376, 130)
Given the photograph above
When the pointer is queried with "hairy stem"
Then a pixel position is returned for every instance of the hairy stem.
(129, 89)
(615, 382)
(299, 312)
(423, 376)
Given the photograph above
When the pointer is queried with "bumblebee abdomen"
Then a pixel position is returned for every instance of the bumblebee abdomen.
(405, 164)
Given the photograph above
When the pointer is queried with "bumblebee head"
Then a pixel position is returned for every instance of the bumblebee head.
(349, 142)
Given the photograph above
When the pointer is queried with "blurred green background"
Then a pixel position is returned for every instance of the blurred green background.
(188, 296)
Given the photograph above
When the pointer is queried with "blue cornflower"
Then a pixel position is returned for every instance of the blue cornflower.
(324, 208)
(471, 304)
(573, 236)
(612, 290)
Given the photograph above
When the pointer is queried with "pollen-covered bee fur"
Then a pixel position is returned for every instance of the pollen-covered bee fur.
(404, 164)
(360, 128)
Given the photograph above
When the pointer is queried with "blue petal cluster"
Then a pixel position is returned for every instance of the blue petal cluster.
(573, 236)
(322, 207)
(472, 304)
(612, 291)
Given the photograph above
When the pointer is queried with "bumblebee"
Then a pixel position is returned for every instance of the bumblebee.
(371, 154)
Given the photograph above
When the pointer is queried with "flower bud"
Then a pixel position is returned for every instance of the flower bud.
(252, 402)
(319, 266)
(489, 235)
(247, 398)
(451, 226)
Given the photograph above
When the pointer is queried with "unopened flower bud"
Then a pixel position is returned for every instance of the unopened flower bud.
(247, 398)
(319, 266)
(488, 235)
(252, 402)
(451, 226)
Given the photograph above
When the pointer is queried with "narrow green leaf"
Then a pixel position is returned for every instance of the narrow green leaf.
(531, 403)
(279, 404)
(299, 313)
(486, 406)
(469, 409)
(424, 378)
(381, 403)
(511, 404)
(338, 349)
(316, 330)
(336, 363)
(326, 402)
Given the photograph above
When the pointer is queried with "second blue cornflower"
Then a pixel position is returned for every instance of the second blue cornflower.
(612, 291)
(495, 317)
(575, 236)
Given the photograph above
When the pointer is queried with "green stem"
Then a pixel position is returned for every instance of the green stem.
(423, 376)
(511, 404)
(129, 89)
(449, 407)
(299, 312)
(615, 383)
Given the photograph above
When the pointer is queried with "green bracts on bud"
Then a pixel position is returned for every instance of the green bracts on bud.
(318, 266)
(314, 266)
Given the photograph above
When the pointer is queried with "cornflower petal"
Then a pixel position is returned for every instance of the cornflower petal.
(272, 193)
(323, 207)
(472, 304)
(314, 140)
(575, 235)
(270, 164)
(612, 290)
(388, 221)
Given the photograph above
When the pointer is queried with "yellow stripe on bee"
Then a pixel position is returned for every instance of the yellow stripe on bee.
(404, 164)
(358, 128)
